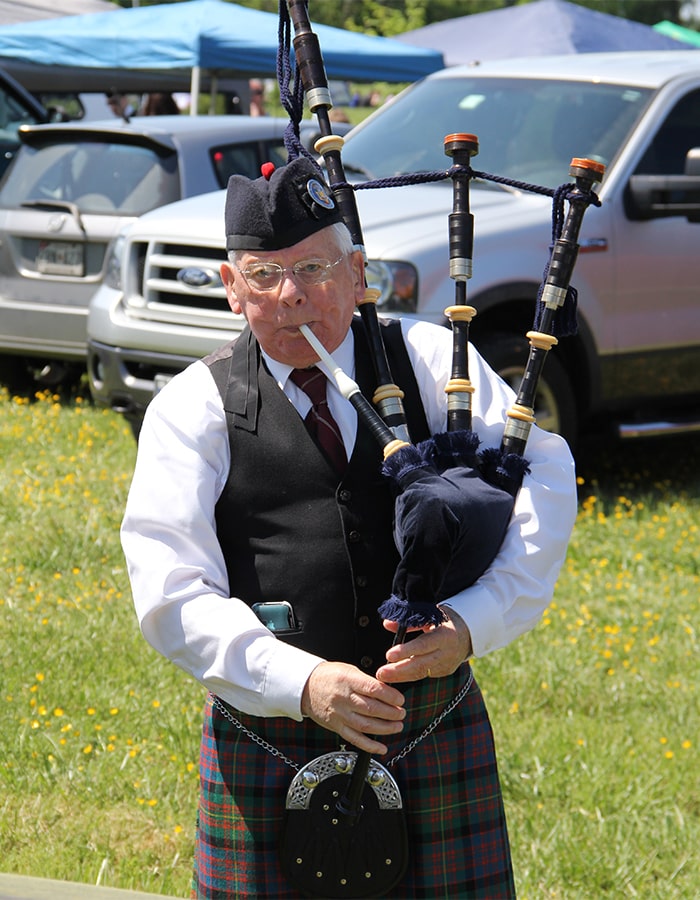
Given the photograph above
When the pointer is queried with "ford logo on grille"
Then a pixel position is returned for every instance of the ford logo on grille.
(194, 277)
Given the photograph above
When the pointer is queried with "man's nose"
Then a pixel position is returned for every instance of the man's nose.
(290, 292)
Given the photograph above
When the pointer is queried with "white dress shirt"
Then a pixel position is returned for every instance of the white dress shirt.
(177, 570)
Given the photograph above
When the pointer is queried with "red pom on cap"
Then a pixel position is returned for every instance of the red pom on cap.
(267, 169)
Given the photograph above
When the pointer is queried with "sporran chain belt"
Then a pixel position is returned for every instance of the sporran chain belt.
(273, 751)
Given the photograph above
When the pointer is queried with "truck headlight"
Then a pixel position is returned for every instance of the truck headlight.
(397, 283)
(113, 268)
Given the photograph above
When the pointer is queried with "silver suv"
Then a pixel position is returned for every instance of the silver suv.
(69, 191)
(635, 361)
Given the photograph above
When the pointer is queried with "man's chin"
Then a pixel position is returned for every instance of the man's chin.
(295, 356)
(297, 351)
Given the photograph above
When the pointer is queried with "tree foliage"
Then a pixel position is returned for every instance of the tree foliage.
(387, 18)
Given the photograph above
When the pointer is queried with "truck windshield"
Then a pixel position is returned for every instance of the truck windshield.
(528, 129)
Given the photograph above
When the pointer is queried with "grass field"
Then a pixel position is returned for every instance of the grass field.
(595, 711)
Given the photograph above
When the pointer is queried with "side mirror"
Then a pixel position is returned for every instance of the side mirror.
(663, 196)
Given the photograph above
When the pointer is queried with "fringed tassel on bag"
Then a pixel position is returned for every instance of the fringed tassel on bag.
(504, 470)
(411, 615)
(449, 449)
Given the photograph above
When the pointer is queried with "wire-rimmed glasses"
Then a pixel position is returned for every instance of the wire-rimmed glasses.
(267, 276)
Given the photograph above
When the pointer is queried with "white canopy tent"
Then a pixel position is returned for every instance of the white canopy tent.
(28, 10)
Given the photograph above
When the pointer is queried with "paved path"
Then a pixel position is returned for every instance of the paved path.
(21, 887)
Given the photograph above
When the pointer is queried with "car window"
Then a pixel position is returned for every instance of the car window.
(528, 129)
(680, 132)
(62, 107)
(13, 113)
(246, 158)
(99, 177)
(276, 154)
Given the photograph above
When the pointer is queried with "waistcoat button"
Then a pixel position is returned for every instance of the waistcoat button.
(354, 536)
(363, 621)
(366, 662)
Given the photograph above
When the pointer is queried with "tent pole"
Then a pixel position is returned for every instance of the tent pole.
(212, 95)
(194, 90)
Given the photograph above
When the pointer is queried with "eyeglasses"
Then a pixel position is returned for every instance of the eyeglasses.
(265, 276)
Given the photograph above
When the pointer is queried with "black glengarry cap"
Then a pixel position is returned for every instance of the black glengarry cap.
(279, 209)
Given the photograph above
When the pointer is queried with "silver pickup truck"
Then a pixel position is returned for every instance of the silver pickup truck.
(635, 362)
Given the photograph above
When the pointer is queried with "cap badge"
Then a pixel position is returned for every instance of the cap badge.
(319, 194)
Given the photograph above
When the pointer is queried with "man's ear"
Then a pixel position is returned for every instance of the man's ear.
(358, 275)
(227, 277)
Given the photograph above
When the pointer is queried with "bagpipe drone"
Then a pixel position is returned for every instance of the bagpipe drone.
(345, 834)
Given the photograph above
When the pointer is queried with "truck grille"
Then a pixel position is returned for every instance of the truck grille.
(177, 283)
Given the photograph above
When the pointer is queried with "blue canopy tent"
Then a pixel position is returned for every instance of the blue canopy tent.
(191, 38)
(540, 28)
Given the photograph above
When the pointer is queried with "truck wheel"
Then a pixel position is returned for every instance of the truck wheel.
(555, 405)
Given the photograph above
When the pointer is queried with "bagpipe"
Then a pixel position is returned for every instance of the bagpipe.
(345, 832)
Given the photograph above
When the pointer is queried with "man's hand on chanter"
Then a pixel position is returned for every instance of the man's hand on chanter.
(343, 699)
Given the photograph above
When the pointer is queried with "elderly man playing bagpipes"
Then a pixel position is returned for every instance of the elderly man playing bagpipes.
(259, 535)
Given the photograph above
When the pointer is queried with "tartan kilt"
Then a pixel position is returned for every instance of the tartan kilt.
(458, 841)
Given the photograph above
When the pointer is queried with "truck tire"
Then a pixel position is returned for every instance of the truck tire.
(555, 404)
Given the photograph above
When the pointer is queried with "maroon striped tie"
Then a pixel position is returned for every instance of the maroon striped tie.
(319, 422)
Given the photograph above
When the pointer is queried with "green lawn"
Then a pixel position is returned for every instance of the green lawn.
(595, 711)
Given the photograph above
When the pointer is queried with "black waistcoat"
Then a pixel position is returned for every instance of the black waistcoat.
(288, 529)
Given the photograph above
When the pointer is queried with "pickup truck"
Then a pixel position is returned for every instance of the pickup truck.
(635, 361)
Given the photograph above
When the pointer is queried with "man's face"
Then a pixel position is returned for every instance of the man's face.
(274, 316)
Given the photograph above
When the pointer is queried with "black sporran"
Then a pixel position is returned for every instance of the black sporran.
(329, 851)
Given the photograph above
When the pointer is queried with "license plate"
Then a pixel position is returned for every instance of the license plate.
(61, 258)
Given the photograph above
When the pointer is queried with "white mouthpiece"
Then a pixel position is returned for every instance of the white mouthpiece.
(345, 384)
